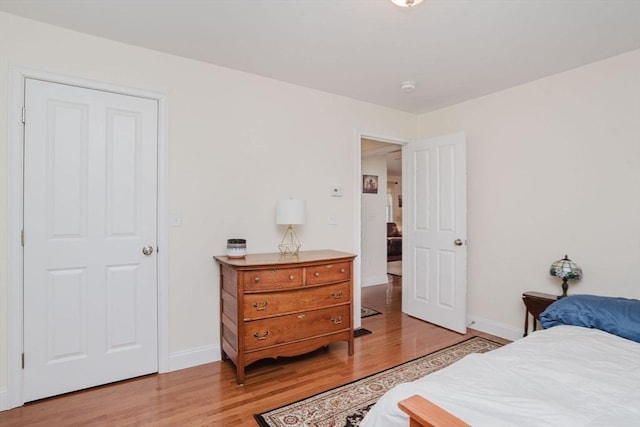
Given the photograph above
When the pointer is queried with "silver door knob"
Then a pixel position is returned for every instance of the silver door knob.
(147, 250)
(458, 242)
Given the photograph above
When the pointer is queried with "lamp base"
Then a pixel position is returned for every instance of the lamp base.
(289, 249)
(565, 287)
(289, 245)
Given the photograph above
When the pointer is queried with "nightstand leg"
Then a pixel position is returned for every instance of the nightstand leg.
(526, 322)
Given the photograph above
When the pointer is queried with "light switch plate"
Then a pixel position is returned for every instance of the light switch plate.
(175, 219)
(337, 191)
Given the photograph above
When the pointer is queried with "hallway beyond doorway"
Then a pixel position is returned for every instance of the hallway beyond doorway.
(394, 268)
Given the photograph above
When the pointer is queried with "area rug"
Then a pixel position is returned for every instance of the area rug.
(394, 268)
(348, 404)
(366, 312)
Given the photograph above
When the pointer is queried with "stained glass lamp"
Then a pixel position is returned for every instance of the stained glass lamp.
(565, 269)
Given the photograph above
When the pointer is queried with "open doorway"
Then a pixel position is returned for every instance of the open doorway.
(394, 212)
(433, 225)
(381, 211)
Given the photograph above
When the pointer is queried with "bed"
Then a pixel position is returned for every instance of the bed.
(582, 370)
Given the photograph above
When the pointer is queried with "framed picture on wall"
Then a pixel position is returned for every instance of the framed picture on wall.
(370, 184)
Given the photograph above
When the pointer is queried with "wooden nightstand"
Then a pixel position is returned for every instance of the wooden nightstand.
(535, 303)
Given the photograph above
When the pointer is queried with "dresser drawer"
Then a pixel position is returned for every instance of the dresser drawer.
(266, 280)
(275, 303)
(327, 273)
(294, 327)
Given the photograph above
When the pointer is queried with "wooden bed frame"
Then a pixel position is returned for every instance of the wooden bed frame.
(423, 413)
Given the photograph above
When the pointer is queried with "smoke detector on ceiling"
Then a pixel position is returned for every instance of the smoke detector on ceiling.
(407, 86)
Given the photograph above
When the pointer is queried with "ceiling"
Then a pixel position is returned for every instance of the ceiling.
(454, 50)
(392, 153)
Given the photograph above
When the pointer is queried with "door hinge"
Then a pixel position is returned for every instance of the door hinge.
(22, 360)
(22, 238)
(24, 114)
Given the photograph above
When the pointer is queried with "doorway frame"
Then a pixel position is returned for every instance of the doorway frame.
(15, 218)
(357, 201)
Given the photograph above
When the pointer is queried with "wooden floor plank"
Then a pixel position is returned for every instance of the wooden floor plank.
(208, 395)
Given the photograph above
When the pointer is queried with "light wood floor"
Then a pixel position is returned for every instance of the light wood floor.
(208, 395)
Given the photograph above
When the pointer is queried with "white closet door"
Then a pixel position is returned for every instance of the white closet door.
(90, 207)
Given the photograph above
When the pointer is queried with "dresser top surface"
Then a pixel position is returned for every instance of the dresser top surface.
(276, 258)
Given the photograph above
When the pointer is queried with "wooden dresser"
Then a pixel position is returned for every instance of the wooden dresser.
(274, 305)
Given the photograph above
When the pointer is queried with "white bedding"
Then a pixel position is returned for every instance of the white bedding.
(563, 376)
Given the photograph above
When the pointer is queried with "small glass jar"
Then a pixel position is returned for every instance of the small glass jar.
(236, 248)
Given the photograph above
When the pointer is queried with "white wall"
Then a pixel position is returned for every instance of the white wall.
(553, 169)
(374, 224)
(237, 143)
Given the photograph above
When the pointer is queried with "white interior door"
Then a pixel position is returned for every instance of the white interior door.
(434, 258)
(90, 206)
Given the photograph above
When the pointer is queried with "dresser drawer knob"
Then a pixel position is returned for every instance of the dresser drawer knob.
(260, 336)
(260, 305)
(317, 274)
(336, 294)
(342, 270)
(257, 279)
(336, 320)
(291, 277)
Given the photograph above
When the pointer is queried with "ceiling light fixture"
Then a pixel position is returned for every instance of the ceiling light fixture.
(406, 3)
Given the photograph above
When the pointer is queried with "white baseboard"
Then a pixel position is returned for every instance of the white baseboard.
(194, 357)
(373, 281)
(4, 399)
(494, 328)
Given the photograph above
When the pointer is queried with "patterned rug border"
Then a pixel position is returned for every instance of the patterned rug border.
(263, 423)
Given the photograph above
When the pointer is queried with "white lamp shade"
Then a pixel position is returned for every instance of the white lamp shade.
(291, 211)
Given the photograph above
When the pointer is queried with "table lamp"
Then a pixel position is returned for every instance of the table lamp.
(290, 212)
(566, 269)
